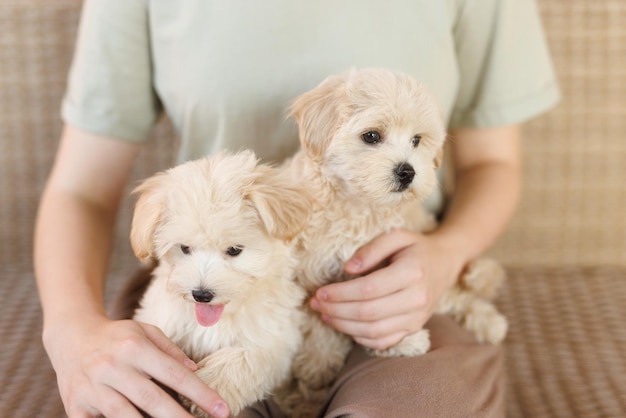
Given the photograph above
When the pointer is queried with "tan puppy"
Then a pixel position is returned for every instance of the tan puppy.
(371, 142)
(224, 291)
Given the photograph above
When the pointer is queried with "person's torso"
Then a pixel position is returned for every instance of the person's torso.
(227, 71)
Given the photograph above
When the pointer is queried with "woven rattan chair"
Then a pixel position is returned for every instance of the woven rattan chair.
(565, 250)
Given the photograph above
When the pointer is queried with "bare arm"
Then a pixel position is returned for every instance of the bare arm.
(382, 307)
(102, 366)
(487, 165)
(75, 222)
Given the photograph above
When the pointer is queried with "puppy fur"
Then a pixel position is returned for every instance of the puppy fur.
(371, 141)
(224, 225)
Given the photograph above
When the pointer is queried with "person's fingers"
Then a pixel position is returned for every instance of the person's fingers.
(146, 395)
(113, 404)
(166, 345)
(178, 377)
(402, 302)
(379, 283)
(376, 330)
(378, 250)
(76, 410)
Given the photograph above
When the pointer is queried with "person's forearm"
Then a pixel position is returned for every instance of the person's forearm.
(72, 247)
(484, 201)
(75, 221)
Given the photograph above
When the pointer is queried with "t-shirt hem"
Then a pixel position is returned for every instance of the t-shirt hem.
(509, 113)
(101, 125)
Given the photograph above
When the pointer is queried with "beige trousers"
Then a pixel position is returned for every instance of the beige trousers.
(457, 378)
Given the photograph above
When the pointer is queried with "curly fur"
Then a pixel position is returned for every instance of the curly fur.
(188, 218)
(358, 196)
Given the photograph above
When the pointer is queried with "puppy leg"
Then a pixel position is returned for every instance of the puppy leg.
(412, 345)
(242, 376)
(485, 322)
(483, 277)
(322, 354)
(315, 366)
(476, 314)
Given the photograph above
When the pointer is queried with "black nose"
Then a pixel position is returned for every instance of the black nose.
(202, 295)
(404, 174)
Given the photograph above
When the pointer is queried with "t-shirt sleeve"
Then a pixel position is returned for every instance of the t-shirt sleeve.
(110, 90)
(506, 74)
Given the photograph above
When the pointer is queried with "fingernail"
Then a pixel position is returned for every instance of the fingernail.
(323, 295)
(220, 410)
(325, 318)
(191, 365)
(315, 305)
(354, 263)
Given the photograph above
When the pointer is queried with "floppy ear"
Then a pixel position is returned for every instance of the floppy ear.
(284, 209)
(148, 213)
(319, 113)
(439, 158)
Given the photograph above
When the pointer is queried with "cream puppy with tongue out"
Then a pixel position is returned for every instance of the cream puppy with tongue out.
(221, 229)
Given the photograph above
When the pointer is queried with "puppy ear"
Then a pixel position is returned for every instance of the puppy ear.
(319, 113)
(284, 209)
(147, 216)
(439, 158)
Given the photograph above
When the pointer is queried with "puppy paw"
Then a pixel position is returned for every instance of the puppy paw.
(485, 322)
(483, 277)
(230, 390)
(412, 345)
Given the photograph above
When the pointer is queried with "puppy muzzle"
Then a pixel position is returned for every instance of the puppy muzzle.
(403, 174)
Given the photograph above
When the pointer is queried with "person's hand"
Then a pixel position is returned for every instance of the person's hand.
(380, 308)
(105, 368)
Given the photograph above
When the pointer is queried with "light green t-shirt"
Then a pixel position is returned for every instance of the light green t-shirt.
(225, 71)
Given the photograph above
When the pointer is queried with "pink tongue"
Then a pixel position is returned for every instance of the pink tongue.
(208, 315)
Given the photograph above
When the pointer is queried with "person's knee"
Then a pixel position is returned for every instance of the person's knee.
(459, 378)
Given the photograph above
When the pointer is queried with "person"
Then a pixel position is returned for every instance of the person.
(225, 72)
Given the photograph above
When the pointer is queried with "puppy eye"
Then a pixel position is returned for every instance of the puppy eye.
(416, 140)
(371, 137)
(234, 251)
(185, 249)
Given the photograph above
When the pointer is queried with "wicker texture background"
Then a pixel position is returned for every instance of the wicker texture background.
(36, 45)
(573, 211)
(566, 347)
(567, 343)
